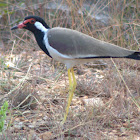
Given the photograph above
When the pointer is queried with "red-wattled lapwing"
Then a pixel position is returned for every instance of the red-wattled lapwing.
(71, 47)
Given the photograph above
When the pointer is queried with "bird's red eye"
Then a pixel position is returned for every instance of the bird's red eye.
(32, 21)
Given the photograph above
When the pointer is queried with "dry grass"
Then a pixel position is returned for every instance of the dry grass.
(36, 86)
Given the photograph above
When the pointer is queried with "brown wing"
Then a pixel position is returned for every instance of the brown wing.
(78, 45)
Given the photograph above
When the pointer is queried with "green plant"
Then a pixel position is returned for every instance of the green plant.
(3, 111)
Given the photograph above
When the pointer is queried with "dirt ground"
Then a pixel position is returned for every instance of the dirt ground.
(106, 102)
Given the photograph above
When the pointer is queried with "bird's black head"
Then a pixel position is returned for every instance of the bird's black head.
(32, 23)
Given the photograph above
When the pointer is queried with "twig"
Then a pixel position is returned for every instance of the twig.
(132, 98)
(22, 81)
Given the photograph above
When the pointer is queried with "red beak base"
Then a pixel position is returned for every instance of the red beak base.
(18, 26)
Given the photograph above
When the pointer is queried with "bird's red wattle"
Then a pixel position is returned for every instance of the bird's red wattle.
(21, 25)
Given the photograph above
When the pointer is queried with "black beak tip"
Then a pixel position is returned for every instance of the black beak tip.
(15, 27)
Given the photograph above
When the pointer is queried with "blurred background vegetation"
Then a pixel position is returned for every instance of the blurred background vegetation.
(114, 21)
(26, 72)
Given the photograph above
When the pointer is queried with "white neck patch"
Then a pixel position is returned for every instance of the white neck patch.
(40, 26)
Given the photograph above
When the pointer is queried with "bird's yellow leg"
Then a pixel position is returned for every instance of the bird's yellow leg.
(74, 80)
(70, 95)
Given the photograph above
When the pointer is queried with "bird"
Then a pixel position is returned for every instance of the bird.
(71, 48)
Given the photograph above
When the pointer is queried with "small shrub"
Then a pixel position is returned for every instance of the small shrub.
(3, 111)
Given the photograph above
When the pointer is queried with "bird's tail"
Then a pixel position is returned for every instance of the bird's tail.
(135, 55)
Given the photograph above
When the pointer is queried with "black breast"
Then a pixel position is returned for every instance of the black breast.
(40, 41)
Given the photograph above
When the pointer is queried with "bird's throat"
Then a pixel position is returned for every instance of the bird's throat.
(39, 35)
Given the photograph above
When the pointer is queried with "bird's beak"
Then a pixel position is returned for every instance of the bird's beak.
(18, 26)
